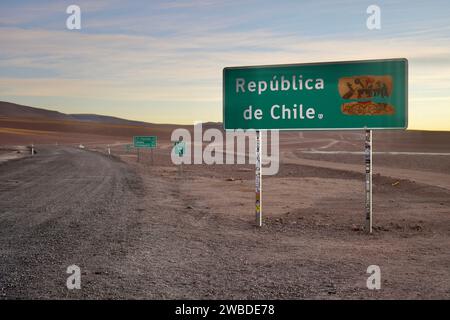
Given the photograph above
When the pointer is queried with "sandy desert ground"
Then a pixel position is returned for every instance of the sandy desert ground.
(139, 230)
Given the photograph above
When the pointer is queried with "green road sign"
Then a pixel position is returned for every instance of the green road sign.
(318, 96)
(145, 142)
(179, 147)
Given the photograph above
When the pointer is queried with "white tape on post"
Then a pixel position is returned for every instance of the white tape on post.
(368, 164)
(258, 182)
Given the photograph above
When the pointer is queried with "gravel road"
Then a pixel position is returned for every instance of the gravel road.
(61, 207)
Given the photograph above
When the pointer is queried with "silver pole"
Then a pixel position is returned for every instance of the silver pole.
(258, 181)
(368, 161)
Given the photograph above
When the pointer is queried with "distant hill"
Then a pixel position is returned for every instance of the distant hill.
(20, 125)
(13, 110)
(106, 119)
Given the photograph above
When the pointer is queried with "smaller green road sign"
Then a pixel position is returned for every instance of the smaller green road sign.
(145, 142)
(179, 147)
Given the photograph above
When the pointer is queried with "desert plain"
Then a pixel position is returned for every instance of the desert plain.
(150, 230)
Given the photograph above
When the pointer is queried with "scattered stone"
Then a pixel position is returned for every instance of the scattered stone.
(331, 288)
(397, 226)
(381, 228)
(416, 227)
(101, 272)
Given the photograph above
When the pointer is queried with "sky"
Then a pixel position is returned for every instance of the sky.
(162, 61)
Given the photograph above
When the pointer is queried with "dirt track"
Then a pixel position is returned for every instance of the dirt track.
(63, 206)
(139, 231)
(441, 179)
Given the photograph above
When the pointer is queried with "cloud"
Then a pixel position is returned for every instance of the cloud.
(177, 4)
(106, 89)
(177, 53)
(16, 14)
(182, 68)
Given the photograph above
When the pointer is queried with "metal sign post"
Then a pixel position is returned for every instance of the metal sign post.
(258, 182)
(152, 155)
(179, 147)
(368, 161)
(32, 149)
(149, 142)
